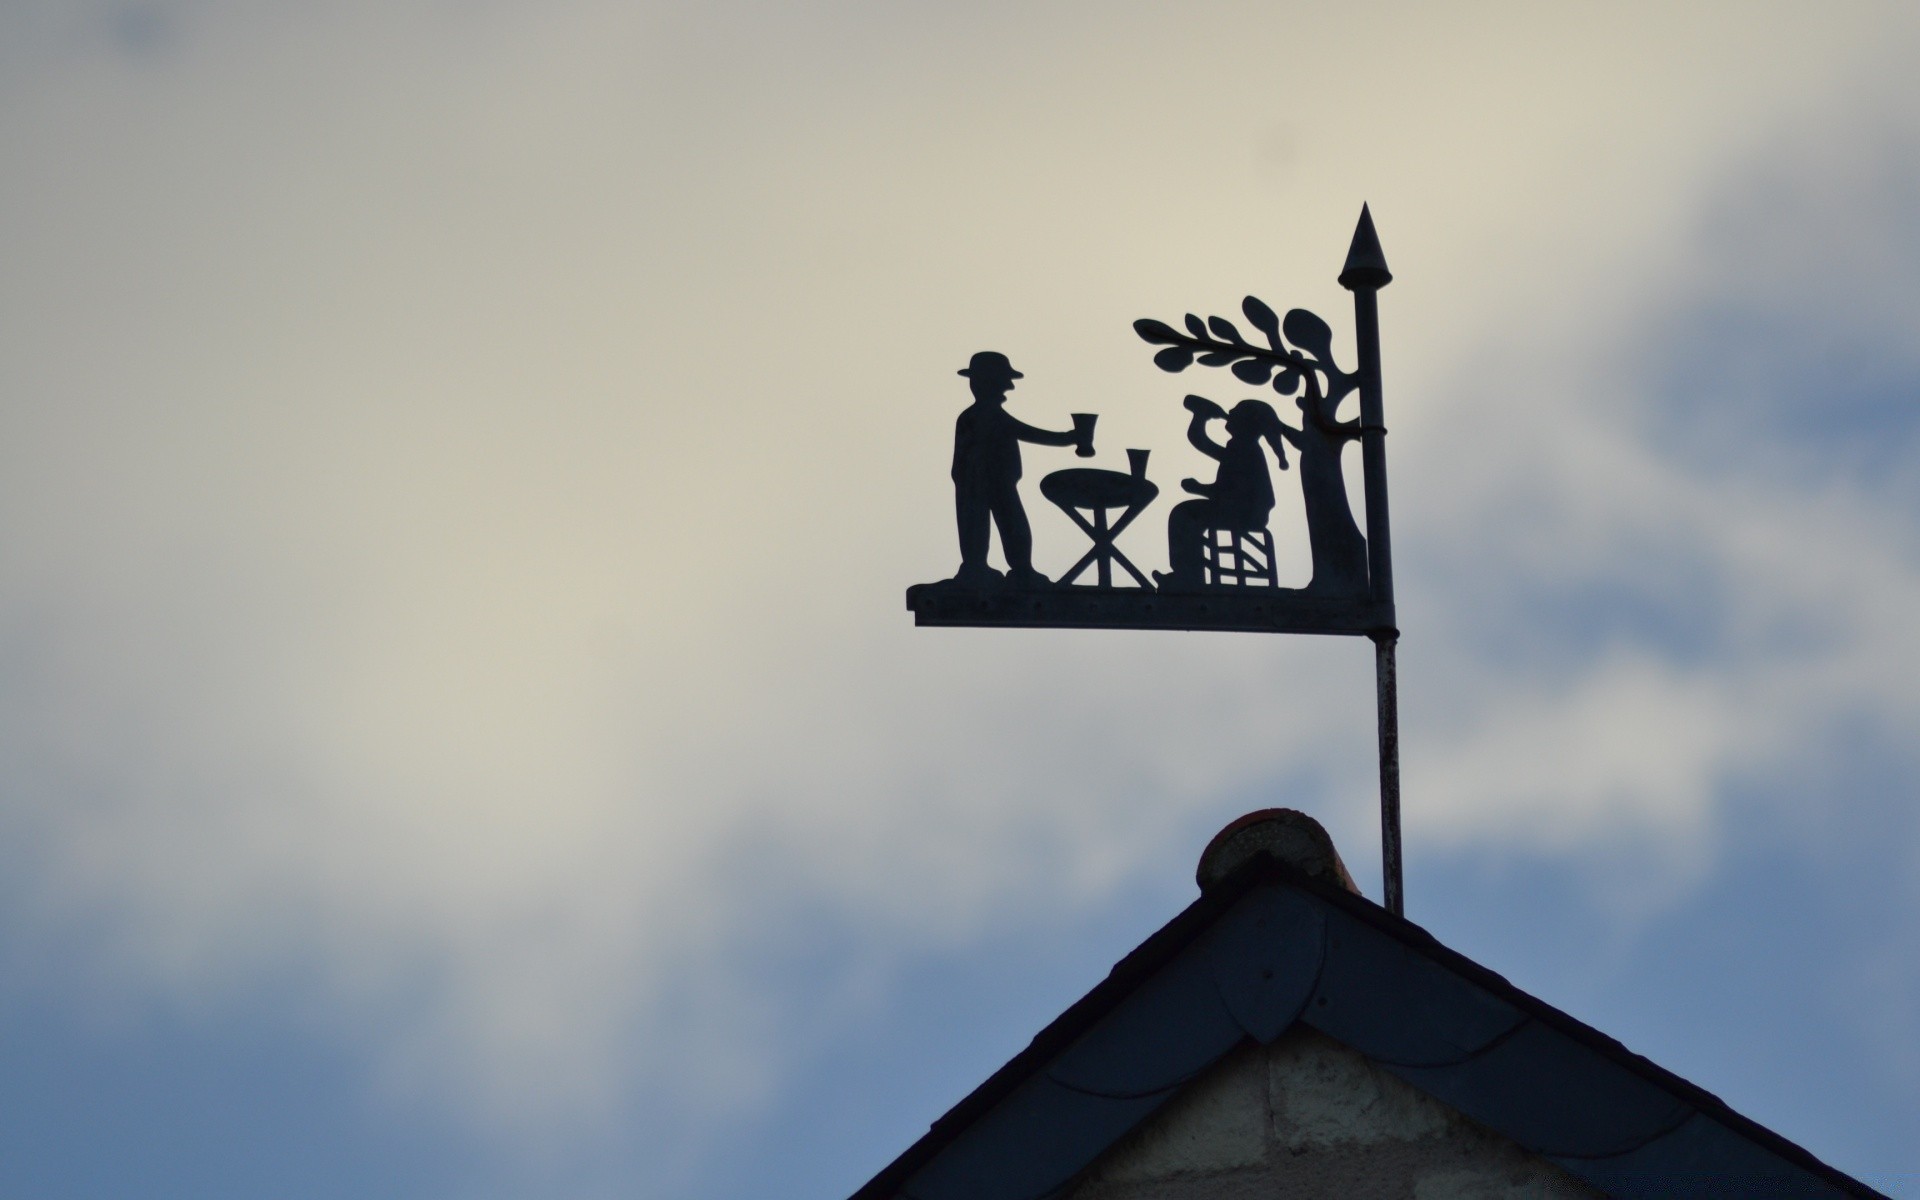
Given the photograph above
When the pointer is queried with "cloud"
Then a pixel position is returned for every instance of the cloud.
(1701, 525)
(461, 470)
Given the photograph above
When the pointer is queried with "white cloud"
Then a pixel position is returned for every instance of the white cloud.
(461, 469)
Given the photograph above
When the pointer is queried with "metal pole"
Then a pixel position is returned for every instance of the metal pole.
(1387, 688)
(1364, 275)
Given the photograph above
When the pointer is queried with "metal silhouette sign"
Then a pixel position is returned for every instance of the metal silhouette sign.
(1222, 571)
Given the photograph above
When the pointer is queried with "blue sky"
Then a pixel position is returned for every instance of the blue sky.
(459, 465)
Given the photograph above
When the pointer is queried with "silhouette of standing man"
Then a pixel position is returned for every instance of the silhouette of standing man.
(986, 474)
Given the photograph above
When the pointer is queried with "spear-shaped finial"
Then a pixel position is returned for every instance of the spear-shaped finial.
(1366, 265)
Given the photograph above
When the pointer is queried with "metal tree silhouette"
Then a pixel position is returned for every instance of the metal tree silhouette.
(1218, 342)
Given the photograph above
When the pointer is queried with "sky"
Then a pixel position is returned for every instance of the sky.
(461, 460)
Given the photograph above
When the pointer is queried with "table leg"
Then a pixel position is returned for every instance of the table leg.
(1103, 545)
(1132, 570)
(1086, 560)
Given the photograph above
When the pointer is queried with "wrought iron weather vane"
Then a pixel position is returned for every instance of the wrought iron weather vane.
(1222, 572)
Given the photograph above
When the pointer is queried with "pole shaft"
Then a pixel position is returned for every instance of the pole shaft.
(1373, 464)
(1387, 686)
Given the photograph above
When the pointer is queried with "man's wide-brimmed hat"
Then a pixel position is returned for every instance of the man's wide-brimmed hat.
(991, 364)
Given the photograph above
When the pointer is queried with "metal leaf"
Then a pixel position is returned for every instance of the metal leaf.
(1287, 382)
(1262, 317)
(1310, 333)
(1158, 333)
(1223, 328)
(1196, 326)
(1253, 370)
(1217, 358)
(1174, 358)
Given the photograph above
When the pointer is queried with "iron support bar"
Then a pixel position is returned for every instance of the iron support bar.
(1364, 275)
(1387, 688)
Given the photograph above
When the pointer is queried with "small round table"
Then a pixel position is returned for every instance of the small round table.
(1100, 492)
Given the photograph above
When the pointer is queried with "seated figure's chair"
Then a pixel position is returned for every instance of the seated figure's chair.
(1240, 558)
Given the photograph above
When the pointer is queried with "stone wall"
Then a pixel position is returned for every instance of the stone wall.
(1307, 1117)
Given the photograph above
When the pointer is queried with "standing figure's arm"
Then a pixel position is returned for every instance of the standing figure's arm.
(1042, 437)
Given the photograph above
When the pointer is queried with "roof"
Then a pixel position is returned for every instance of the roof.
(1269, 946)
